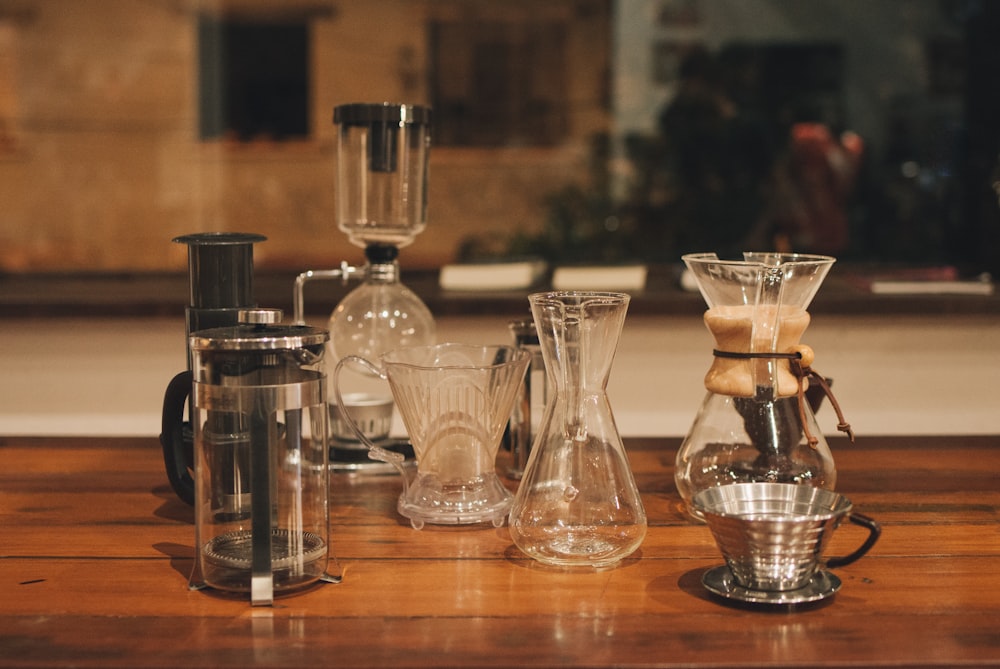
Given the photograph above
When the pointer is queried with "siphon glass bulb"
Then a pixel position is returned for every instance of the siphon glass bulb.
(378, 316)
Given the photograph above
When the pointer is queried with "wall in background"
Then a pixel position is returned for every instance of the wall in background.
(908, 375)
(101, 162)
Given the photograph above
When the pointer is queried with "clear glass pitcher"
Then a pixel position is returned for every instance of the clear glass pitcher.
(578, 503)
(455, 400)
(755, 423)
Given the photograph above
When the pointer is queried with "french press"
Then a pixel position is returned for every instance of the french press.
(259, 416)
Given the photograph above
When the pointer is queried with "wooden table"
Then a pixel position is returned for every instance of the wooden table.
(95, 552)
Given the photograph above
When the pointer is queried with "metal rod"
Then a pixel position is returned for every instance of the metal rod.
(344, 273)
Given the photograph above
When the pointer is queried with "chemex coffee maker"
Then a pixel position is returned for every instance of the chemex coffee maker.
(757, 423)
(253, 456)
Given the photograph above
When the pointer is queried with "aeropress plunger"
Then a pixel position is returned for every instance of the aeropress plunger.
(220, 270)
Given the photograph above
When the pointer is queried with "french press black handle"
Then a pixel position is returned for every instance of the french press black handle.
(176, 437)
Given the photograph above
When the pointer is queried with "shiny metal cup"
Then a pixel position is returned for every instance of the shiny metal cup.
(772, 535)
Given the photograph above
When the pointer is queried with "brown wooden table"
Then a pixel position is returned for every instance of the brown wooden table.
(95, 552)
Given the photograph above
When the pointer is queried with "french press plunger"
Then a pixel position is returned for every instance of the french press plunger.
(260, 416)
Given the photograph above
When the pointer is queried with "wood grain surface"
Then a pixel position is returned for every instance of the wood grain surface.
(95, 553)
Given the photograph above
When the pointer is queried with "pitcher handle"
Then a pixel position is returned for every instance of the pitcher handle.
(874, 531)
(374, 452)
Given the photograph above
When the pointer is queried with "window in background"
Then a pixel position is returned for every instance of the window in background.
(8, 99)
(498, 83)
(253, 78)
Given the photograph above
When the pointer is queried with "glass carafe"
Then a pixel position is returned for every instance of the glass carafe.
(578, 504)
(755, 423)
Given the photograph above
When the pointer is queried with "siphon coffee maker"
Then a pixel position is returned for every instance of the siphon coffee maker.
(381, 177)
(756, 423)
(260, 417)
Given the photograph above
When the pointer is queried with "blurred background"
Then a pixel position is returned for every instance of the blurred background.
(575, 130)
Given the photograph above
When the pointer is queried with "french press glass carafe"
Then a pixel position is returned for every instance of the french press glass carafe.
(260, 446)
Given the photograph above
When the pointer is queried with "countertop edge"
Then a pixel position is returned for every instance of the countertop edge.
(165, 294)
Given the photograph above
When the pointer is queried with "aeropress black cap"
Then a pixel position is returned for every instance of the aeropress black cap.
(220, 269)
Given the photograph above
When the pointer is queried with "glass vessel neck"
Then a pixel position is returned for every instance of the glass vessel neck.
(382, 272)
(382, 265)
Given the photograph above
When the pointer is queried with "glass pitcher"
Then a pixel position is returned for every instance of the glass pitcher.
(578, 504)
(755, 423)
(455, 400)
